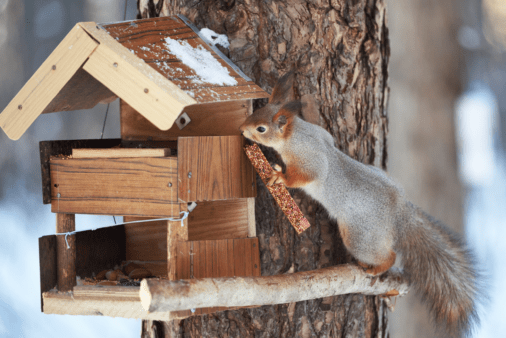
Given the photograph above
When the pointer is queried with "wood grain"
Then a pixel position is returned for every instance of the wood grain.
(145, 241)
(47, 82)
(122, 186)
(210, 119)
(54, 148)
(214, 168)
(218, 258)
(146, 39)
(225, 219)
(111, 293)
(116, 304)
(120, 152)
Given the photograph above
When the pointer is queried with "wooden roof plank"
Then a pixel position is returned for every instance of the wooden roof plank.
(147, 40)
(143, 88)
(47, 82)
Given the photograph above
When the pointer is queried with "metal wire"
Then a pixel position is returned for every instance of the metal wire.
(105, 119)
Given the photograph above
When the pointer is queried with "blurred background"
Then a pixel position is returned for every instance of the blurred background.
(447, 110)
(29, 31)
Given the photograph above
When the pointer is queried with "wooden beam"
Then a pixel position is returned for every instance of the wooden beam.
(144, 186)
(214, 168)
(47, 82)
(48, 149)
(101, 301)
(142, 87)
(65, 252)
(47, 264)
(120, 152)
(210, 119)
(252, 227)
(164, 295)
(120, 293)
(177, 232)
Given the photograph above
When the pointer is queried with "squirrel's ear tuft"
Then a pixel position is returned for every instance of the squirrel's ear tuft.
(293, 107)
(281, 119)
(283, 90)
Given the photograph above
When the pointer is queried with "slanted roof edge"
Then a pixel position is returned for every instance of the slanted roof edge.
(36, 95)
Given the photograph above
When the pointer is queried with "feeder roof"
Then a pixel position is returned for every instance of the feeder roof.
(158, 66)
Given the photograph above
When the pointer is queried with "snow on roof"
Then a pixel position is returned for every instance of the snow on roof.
(214, 38)
(205, 65)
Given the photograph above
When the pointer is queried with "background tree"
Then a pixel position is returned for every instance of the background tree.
(340, 52)
(425, 81)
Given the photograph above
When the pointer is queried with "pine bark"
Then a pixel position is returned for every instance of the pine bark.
(339, 50)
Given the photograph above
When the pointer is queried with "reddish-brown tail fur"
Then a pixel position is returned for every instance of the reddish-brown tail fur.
(441, 270)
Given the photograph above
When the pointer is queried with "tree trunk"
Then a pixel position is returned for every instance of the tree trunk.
(339, 50)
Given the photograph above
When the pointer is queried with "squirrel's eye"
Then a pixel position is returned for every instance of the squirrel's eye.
(261, 129)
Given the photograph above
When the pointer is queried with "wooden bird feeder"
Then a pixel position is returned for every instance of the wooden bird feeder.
(181, 104)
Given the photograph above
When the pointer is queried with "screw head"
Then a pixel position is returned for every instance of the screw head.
(20, 107)
(58, 195)
(170, 184)
(115, 64)
(146, 90)
(54, 67)
(189, 174)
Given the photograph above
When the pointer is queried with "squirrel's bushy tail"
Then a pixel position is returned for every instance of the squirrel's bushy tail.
(440, 268)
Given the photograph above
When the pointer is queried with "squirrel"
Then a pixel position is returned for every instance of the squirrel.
(375, 220)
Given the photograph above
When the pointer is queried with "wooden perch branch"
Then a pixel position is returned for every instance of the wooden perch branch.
(164, 295)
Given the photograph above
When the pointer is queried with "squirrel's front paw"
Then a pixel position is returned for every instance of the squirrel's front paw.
(277, 176)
